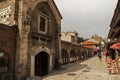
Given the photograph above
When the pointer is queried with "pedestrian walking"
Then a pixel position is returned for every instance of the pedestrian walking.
(105, 54)
(99, 55)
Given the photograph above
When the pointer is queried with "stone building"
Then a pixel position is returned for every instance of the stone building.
(69, 37)
(114, 32)
(7, 51)
(29, 38)
(96, 38)
(71, 51)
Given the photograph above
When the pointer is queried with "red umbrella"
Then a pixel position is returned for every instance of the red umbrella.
(115, 46)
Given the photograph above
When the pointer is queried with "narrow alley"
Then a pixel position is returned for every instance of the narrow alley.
(90, 69)
(59, 39)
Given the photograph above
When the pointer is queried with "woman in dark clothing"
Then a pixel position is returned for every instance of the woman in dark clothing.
(99, 55)
(112, 53)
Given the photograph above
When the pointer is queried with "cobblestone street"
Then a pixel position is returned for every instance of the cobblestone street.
(90, 69)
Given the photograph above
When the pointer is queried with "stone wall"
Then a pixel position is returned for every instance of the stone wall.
(24, 15)
(8, 45)
(7, 12)
(30, 37)
(48, 39)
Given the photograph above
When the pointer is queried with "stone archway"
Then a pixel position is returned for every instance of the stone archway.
(4, 62)
(72, 55)
(41, 64)
(78, 55)
(7, 51)
(42, 55)
(64, 56)
(53, 7)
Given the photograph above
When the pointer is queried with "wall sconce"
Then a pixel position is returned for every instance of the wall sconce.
(109, 40)
(27, 21)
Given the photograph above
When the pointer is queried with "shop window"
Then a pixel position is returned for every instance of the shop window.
(4, 63)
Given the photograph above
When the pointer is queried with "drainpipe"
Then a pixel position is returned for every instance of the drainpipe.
(15, 30)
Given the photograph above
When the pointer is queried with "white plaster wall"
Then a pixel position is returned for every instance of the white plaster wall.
(65, 37)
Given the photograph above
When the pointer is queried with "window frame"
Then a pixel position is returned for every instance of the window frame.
(46, 24)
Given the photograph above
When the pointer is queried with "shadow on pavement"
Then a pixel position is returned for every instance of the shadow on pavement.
(72, 68)
(69, 68)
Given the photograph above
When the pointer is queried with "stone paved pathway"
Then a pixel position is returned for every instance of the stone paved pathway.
(91, 69)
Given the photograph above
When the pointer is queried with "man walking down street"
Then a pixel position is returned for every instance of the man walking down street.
(99, 55)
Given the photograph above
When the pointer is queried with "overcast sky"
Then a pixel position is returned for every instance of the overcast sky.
(87, 17)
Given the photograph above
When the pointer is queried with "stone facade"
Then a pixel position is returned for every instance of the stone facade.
(33, 41)
(47, 41)
(8, 12)
(114, 32)
(7, 51)
(39, 26)
(73, 52)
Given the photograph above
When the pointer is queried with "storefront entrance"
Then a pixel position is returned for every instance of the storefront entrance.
(41, 64)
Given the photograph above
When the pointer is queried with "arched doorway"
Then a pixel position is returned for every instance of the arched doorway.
(4, 63)
(64, 56)
(41, 64)
(73, 56)
(78, 55)
(7, 51)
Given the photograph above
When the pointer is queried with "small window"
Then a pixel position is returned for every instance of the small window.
(42, 24)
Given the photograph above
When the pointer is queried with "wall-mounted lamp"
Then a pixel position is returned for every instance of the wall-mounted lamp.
(109, 40)
(27, 21)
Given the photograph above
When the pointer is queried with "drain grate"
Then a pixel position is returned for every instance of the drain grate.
(86, 77)
(88, 68)
(85, 70)
(99, 76)
(71, 74)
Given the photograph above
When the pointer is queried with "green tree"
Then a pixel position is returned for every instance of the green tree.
(81, 39)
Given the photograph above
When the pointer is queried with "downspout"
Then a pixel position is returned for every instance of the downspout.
(15, 27)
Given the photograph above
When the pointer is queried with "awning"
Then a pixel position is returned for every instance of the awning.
(115, 46)
(89, 43)
(91, 47)
(110, 43)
